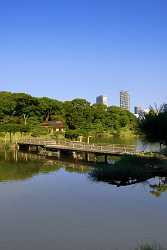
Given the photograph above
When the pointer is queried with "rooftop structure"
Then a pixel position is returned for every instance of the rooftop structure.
(57, 126)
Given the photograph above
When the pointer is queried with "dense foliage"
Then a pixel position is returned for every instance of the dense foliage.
(22, 112)
(154, 125)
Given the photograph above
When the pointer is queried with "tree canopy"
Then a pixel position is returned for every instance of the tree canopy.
(153, 125)
(77, 115)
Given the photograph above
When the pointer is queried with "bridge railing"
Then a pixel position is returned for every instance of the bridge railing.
(80, 145)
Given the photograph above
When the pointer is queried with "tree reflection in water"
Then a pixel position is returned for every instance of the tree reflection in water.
(130, 170)
(127, 171)
(16, 166)
(148, 246)
(160, 187)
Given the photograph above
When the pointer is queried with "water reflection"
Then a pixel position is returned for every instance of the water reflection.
(65, 210)
(141, 143)
(15, 165)
(159, 187)
(130, 170)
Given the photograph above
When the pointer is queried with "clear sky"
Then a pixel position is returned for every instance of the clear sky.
(82, 48)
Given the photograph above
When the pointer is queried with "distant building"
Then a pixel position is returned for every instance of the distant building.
(102, 100)
(125, 100)
(165, 107)
(138, 110)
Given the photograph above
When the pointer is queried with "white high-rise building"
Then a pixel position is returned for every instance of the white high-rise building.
(125, 100)
(102, 100)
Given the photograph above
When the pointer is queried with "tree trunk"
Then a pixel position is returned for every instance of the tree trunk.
(25, 119)
(10, 137)
(47, 116)
(160, 146)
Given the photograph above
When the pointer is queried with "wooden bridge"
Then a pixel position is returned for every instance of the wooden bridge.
(76, 148)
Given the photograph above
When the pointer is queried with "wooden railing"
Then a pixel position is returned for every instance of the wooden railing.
(117, 148)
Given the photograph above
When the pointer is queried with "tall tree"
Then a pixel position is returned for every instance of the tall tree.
(153, 125)
(77, 113)
(49, 107)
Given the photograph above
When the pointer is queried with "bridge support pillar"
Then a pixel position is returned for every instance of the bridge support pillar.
(106, 157)
(86, 156)
(74, 154)
(58, 154)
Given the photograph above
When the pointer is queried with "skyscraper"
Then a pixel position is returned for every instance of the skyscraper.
(137, 110)
(125, 100)
(102, 100)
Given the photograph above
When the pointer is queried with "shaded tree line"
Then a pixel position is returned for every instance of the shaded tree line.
(154, 124)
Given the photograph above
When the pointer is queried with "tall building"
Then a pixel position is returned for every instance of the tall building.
(137, 110)
(102, 100)
(125, 100)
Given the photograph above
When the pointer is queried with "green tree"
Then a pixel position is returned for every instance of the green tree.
(26, 106)
(77, 113)
(7, 104)
(49, 107)
(153, 125)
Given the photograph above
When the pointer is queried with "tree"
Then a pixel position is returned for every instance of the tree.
(26, 106)
(99, 114)
(49, 107)
(7, 104)
(118, 118)
(153, 125)
(77, 113)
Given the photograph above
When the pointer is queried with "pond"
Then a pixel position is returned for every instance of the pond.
(58, 205)
(139, 142)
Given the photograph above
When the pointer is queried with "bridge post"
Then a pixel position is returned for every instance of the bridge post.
(74, 154)
(58, 154)
(86, 156)
(95, 158)
(106, 156)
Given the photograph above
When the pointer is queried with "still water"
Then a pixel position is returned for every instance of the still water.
(139, 142)
(51, 205)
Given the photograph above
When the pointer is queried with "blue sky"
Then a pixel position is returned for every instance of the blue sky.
(82, 48)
